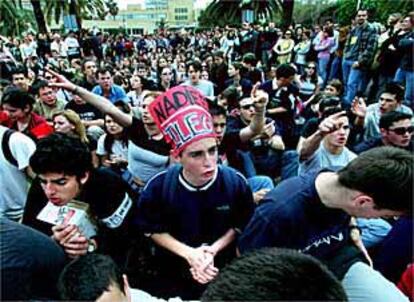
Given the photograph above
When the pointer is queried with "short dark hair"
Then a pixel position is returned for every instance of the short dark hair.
(196, 65)
(385, 174)
(86, 60)
(329, 102)
(389, 118)
(231, 95)
(274, 274)
(19, 70)
(394, 89)
(218, 53)
(39, 84)
(249, 58)
(239, 66)
(337, 84)
(330, 111)
(17, 98)
(216, 110)
(88, 277)
(60, 153)
(103, 70)
(285, 71)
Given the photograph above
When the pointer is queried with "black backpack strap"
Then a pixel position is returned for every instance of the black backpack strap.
(6, 147)
(170, 182)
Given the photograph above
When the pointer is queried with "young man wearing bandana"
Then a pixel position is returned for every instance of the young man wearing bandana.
(194, 226)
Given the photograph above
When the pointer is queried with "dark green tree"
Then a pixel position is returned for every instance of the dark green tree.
(39, 15)
(224, 12)
(379, 10)
(113, 8)
(14, 20)
(79, 8)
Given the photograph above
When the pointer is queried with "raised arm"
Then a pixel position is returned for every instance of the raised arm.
(260, 99)
(311, 144)
(101, 103)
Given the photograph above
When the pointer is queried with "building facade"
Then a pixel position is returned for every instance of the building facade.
(143, 19)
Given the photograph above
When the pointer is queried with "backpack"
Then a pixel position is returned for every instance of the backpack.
(6, 147)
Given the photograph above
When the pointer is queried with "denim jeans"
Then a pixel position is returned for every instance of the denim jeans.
(323, 69)
(287, 162)
(373, 231)
(258, 183)
(362, 283)
(355, 81)
(334, 73)
(406, 78)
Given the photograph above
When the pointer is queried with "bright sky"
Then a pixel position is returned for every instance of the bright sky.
(123, 3)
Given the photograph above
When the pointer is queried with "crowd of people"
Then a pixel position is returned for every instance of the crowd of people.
(248, 163)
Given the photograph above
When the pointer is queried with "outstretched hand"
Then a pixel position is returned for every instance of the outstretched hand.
(331, 123)
(259, 97)
(359, 107)
(61, 81)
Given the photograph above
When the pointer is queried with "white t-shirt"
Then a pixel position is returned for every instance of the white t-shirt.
(205, 87)
(13, 182)
(323, 159)
(117, 149)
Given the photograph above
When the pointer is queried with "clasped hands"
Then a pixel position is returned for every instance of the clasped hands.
(71, 239)
(201, 261)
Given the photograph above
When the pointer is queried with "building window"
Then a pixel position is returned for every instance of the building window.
(181, 10)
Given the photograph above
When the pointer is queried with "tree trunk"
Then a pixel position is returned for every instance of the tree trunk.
(287, 8)
(73, 10)
(40, 17)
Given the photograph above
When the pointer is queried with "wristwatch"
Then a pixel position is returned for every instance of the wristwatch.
(91, 246)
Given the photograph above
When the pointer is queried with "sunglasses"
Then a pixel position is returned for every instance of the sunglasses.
(246, 107)
(311, 67)
(222, 125)
(403, 130)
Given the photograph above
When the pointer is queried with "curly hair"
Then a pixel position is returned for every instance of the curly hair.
(60, 153)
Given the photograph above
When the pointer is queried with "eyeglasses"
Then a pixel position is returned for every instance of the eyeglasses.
(91, 66)
(311, 67)
(49, 78)
(246, 107)
(403, 130)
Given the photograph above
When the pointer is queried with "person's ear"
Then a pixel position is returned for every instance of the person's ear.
(27, 109)
(84, 178)
(127, 288)
(363, 201)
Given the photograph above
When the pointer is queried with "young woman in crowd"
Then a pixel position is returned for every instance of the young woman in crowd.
(69, 122)
(112, 148)
(309, 82)
(284, 47)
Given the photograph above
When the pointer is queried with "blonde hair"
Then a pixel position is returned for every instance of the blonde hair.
(74, 119)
